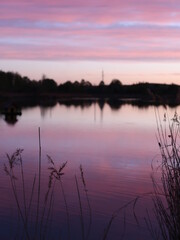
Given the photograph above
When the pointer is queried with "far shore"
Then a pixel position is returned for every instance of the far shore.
(15, 88)
(50, 99)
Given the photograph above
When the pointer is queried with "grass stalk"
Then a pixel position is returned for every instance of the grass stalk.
(23, 188)
(167, 193)
(12, 161)
(39, 185)
(81, 210)
(88, 202)
(67, 210)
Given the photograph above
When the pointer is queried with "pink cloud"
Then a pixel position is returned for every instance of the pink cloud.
(63, 52)
(101, 11)
(117, 29)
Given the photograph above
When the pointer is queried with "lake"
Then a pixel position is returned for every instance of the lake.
(115, 146)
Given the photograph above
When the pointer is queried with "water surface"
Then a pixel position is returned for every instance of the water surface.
(115, 147)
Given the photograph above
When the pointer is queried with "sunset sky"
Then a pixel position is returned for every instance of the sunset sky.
(132, 40)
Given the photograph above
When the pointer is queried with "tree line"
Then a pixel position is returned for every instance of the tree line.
(11, 82)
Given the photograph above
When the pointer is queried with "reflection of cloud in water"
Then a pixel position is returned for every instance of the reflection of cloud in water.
(130, 123)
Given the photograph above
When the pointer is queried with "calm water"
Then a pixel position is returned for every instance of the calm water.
(115, 148)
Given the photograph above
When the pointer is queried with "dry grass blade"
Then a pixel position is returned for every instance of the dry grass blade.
(88, 202)
(81, 210)
(13, 160)
(50, 160)
(82, 177)
(167, 195)
(39, 185)
(56, 174)
(106, 231)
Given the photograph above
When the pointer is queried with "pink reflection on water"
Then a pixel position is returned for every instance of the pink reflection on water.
(116, 154)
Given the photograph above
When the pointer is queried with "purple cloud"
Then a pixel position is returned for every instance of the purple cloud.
(117, 29)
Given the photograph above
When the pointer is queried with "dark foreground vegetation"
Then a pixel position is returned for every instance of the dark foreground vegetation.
(167, 191)
(14, 85)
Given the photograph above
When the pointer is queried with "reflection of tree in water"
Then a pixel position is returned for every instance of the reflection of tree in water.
(11, 119)
(94, 111)
(115, 104)
(44, 111)
(10, 113)
(83, 103)
(47, 106)
(101, 103)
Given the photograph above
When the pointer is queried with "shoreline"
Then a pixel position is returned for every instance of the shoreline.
(48, 99)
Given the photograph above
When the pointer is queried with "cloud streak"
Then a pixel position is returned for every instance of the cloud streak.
(90, 30)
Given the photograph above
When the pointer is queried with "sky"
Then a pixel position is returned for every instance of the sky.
(132, 40)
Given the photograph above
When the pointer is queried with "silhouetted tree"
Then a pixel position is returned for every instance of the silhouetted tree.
(48, 85)
(115, 86)
(101, 83)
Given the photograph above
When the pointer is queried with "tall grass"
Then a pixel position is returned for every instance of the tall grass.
(37, 228)
(14, 160)
(167, 190)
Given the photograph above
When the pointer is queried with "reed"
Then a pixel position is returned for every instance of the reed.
(56, 174)
(39, 185)
(15, 160)
(37, 228)
(88, 201)
(44, 210)
(167, 192)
